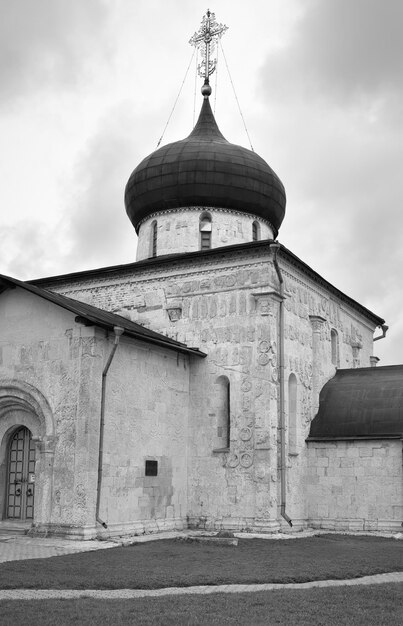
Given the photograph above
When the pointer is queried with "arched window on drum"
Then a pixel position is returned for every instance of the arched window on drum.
(153, 241)
(255, 231)
(205, 227)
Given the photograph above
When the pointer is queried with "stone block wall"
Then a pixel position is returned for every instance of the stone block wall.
(355, 485)
(55, 366)
(178, 230)
(226, 304)
(146, 419)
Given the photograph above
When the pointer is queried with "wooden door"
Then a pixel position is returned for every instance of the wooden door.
(21, 476)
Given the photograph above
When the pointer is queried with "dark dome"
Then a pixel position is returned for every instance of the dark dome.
(361, 403)
(205, 170)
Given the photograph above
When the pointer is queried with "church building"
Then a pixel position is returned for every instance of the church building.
(217, 382)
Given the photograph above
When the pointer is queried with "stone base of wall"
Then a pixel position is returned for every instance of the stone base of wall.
(80, 533)
(298, 525)
(356, 525)
(66, 531)
(141, 527)
(236, 524)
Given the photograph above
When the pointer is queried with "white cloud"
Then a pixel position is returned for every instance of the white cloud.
(49, 43)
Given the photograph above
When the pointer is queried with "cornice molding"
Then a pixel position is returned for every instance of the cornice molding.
(201, 209)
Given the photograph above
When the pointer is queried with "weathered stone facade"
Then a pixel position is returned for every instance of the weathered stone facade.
(179, 230)
(355, 485)
(50, 382)
(227, 304)
(134, 431)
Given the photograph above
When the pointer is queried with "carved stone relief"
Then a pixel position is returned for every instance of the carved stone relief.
(174, 314)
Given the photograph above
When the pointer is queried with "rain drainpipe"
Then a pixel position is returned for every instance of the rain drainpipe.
(384, 329)
(283, 476)
(118, 330)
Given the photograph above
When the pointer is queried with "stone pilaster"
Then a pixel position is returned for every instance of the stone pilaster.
(316, 323)
(356, 347)
(45, 452)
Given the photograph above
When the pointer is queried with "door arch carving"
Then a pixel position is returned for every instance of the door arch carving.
(22, 406)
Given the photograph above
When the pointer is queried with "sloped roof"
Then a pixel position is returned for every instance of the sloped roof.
(99, 317)
(201, 256)
(362, 403)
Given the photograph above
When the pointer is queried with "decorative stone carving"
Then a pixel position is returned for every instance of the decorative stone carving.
(264, 301)
(246, 460)
(246, 385)
(262, 440)
(232, 460)
(174, 313)
(267, 353)
(356, 347)
(245, 433)
(316, 322)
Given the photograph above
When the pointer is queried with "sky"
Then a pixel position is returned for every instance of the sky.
(86, 89)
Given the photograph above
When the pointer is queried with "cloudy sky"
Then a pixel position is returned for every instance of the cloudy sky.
(86, 88)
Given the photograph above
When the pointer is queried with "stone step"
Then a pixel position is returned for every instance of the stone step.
(9, 527)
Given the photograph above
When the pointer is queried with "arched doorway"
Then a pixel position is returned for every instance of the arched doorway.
(27, 426)
(20, 486)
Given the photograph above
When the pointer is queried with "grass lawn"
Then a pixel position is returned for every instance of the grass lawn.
(169, 563)
(367, 606)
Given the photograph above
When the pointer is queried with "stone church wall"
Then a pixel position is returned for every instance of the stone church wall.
(146, 419)
(227, 305)
(45, 354)
(311, 315)
(43, 349)
(355, 485)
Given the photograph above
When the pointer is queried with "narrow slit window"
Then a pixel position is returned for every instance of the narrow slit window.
(334, 338)
(292, 415)
(222, 410)
(255, 231)
(205, 231)
(154, 236)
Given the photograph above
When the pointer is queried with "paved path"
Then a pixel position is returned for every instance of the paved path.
(14, 547)
(116, 594)
(19, 547)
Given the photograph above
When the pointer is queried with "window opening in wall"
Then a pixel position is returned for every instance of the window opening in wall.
(228, 419)
(205, 231)
(221, 409)
(292, 415)
(154, 235)
(151, 468)
(255, 231)
(334, 338)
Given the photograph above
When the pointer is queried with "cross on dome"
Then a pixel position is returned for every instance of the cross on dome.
(205, 40)
(204, 170)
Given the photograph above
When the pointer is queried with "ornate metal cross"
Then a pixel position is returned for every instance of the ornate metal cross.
(205, 39)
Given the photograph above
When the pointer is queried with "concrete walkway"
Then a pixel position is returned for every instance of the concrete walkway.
(117, 594)
(15, 547)
(20, 547)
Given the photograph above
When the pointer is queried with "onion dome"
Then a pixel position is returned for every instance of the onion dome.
(205, 170)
